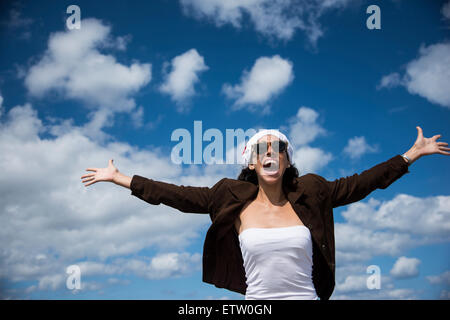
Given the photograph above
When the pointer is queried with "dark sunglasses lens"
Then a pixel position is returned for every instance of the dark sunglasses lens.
(277, 146)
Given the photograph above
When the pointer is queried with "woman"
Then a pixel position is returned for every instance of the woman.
(272, 233)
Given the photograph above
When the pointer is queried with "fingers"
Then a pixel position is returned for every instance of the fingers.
(442, 144)
(88, 179)
(91, 169)
(89, 183)
(435, 137)
(87, 175)
(419, 131)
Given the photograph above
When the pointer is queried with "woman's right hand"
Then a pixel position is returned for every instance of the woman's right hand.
(100, 174)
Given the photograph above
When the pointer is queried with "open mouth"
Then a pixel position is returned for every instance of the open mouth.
(270, 165)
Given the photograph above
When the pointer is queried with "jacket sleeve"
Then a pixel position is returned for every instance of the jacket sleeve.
(356, 187)
(184, 198)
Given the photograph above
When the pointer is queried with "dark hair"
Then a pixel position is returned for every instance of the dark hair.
(289, 176)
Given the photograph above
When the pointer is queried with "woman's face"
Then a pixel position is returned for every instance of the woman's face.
(268, 162)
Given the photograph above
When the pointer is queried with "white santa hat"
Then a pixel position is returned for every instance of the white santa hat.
(247, 153)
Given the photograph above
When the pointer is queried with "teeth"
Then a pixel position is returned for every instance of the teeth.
(269, 161)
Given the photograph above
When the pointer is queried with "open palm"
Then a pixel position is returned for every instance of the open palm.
(426, 146)
(100, 174)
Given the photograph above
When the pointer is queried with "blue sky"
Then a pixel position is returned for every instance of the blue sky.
(347, 97)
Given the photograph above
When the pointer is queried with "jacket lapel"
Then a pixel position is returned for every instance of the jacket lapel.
(243, 191)
(294, 197)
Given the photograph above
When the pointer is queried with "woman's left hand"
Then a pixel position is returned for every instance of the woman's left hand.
(425, 146)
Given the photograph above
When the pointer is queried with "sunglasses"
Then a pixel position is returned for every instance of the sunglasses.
(277, 147)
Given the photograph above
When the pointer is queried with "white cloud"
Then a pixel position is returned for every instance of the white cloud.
(51, 282)
(353, 286)
(389, 228)
(50, 220)
(425, 217)
(390, 81)
(185, 68)
(427, 76)
(303, 128)
(379, 228)
(354, 243)
(310, 160)
(74, 67)
(405, 268)
(443, 278)
(171, 265)
(352, 283)
(268, 77)
(446, 10)
(163, 265)
(278, 19)
(357, 146)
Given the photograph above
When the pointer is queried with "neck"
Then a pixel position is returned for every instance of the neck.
(271, 194)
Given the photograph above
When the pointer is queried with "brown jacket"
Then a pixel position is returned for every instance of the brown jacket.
(313, 199)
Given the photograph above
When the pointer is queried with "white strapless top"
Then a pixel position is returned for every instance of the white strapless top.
(278, 263)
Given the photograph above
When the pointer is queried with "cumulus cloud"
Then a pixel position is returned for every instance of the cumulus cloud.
(185, 68)
(357, 146)
(428, 217)
(390, 81)
(74, 67)
(427, 76)
(405, 268)
(378, 228)
(303, 129)
(50, 220)
(163, 265)
(310, 160)
(443, 278)
(391, 227)
(351, 283)
(278, 19)
(268, 77)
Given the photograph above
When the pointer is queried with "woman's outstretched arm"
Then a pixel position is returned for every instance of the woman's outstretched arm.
(346, 190)
(184, 198)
